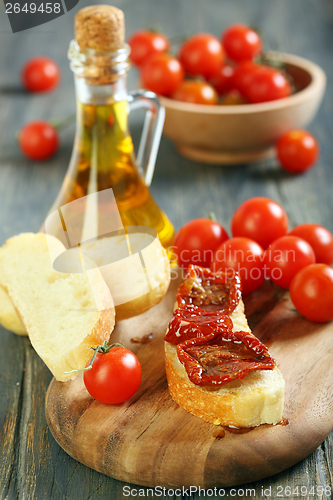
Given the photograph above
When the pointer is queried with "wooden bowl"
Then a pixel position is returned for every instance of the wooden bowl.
(244, 133)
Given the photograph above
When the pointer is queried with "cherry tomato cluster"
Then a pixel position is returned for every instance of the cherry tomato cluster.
(208, 70)
(261, 247)
(226, 68)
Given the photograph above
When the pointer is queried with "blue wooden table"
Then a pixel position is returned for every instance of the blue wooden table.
(32, 465)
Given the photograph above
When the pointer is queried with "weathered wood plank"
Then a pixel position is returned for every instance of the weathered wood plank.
(183, 188)
(12, 362)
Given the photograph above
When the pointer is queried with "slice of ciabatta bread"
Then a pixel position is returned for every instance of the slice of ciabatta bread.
(64, 313)
(135, 267)
(255, 400)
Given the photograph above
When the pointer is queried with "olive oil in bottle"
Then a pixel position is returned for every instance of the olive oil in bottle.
(103, 155)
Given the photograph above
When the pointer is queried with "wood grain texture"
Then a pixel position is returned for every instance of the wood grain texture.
(148, 439)
(184, 189)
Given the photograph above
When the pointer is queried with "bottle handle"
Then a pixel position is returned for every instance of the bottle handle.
(152, 129)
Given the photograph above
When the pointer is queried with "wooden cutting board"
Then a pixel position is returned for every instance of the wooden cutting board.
(150, 440)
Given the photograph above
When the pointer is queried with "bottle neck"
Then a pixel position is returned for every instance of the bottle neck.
(100, 76)
(101, 95)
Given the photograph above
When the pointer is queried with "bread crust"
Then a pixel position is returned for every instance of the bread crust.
(257, 399)
(152, 298)
(81, 355)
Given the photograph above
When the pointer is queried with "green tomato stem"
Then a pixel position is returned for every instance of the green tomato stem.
(103, 349)
(62, 124)
(212, 216)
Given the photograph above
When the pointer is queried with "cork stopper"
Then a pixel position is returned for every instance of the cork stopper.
(100, 27)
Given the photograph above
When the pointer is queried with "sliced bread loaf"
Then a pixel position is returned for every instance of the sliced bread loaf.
(64, 314)
(136, 269)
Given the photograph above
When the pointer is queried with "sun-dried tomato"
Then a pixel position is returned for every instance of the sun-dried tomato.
(191, 321)
(219, 358)
(202, 287)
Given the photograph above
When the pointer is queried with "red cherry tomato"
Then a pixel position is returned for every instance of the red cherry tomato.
(38, 140)
(202, 54)
(285, 257)
(320, 239)
(241, 43)
(162, 74)
(267, 84)
(197, 240)
(223, 79)
(114, 377)
(145, 43)
(260, 219)
(244, 74)
(244, 256)
(297, 151)
(40, 74)
(196, 92)
(311, 292)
